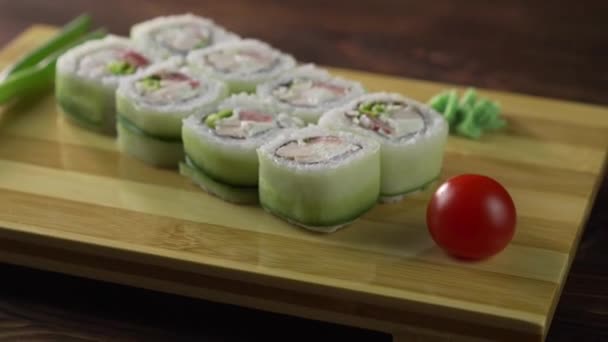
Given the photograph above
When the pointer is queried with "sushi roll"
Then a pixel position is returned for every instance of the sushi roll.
(221, 145)
(87, 77)
(411, 134)
(307, 92)
(173, 35)
(151, 108)
(319, 179)
(241, 64)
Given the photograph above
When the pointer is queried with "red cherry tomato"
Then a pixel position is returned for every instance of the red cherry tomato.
(471, 217)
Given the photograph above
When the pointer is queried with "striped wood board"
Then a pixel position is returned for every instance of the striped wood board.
(70, 203)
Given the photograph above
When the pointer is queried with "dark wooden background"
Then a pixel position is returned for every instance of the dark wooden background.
(546, 48)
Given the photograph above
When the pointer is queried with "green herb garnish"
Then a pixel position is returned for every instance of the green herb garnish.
(203, 43)
(150, 83)
(212, 119)
(366, 107)
(121, 68)
(379, 108)
(373, 109)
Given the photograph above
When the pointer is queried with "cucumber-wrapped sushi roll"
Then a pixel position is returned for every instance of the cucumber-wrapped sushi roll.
(151, 108)
(87, 77)
(241, 64)
(307, 92)
(221, 145)
(411, 134)
(172, 35)
(319, 179)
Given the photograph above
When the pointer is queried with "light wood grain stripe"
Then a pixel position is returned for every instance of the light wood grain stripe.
(393, 239)
(152, 199)
(266, 298)
(531, 152)
(545, 233)
(513, 174)
(548, 130)
(35, 120)
(529, 203)
(111, 163)
(88, 160)
(260, 253)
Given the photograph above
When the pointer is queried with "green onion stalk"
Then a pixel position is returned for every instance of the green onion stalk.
(26, 81)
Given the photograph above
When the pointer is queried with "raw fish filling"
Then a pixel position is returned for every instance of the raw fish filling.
(181, 39)
(315, 150)
(393, 120)
(303, 92)
(111, 62)
(168, 87)
(241, 60)
(245, 123)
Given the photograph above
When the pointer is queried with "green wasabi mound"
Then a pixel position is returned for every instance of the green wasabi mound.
(470, 116)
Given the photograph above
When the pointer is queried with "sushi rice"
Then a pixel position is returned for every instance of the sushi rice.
(307, 92)
(87, 77)
(173, 35)
(241, 64)
(411, 134)
(221, 145)
(166, 92)
(151, 108)
(319, 179)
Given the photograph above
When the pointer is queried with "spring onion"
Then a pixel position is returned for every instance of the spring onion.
(33, 79)
(71, 32)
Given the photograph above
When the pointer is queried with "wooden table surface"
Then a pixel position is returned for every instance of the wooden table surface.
(546, 50)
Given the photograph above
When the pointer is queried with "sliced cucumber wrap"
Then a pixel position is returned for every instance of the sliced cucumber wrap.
(227, 163)
(87, 103)
(227, 159)
(173, 35)
(229, 193)
(149, 149)
(408, 163)
(242, 64)
(85, 87)
(411, 167)
(320, 196)
(400, 197)
(160, 113)
(308, 91)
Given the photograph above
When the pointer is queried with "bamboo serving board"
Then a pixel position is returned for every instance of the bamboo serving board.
(69, 202)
